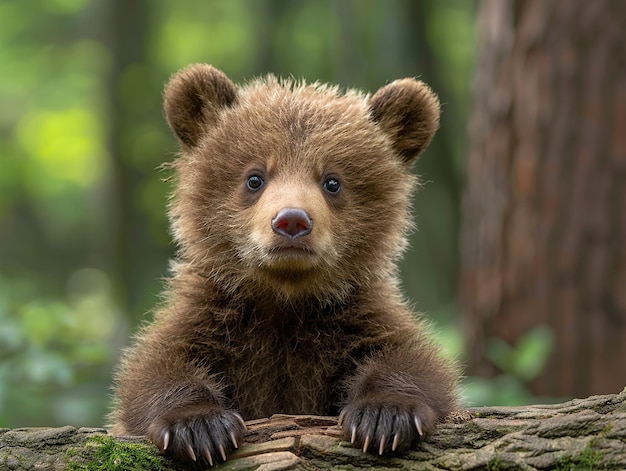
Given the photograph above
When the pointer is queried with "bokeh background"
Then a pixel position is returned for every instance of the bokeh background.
(84, 242)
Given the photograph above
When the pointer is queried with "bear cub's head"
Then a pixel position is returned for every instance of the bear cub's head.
(293, 190)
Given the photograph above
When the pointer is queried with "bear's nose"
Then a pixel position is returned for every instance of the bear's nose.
(292, 223)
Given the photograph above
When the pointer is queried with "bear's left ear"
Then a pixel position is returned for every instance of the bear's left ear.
(407, 110)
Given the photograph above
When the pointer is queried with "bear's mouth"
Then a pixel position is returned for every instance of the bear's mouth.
(291, 251)
(290, 258)
(293, 248)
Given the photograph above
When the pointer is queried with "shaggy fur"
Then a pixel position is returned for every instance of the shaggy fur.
(257, 322)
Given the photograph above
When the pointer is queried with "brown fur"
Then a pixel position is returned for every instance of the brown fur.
(256, 323)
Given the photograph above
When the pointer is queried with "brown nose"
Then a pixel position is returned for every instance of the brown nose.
(292, 223)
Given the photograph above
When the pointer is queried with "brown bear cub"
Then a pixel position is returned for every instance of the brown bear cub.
(290, 211)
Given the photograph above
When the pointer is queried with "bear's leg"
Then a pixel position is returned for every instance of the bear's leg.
(397, 398)
(178, 404)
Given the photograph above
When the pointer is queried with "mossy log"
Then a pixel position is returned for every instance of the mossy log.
(579, 434)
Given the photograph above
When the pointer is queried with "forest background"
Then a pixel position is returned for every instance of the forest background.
(84, 242)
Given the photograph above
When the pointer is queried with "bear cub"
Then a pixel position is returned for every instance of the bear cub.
(290, 210)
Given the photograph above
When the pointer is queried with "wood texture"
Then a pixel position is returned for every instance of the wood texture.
(580, 434)
(544, 212)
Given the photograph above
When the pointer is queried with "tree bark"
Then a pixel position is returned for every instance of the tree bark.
(580, 434)
(544, 212)
(126, 29)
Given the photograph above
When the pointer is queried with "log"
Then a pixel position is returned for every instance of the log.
(579, 434)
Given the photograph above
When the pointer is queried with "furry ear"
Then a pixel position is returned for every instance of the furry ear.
(408, 112)
(193, 100)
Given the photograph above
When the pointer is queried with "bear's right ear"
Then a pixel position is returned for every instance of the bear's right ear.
(193, 100)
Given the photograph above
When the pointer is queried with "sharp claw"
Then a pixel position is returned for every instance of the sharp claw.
(166, 439)
(190, 453)
(233, 439)
(340, 420)
(366, 444)
(383, 442)
(241, 421)
(353, 434)
(207, 456)
(396, 439)
(222, 452)
(418, 426)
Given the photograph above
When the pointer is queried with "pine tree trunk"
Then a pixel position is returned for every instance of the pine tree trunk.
(544, 212)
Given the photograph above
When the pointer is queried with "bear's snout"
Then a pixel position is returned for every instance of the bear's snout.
(292, 223)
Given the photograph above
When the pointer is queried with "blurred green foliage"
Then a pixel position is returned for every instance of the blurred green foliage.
(83, 231)
(519, 364)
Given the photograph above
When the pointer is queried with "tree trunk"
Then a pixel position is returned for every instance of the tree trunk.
(125, 36)
(580, 434)
(544, 212)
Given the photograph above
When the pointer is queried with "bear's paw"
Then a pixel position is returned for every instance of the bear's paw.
(199, 436)
(385, 428)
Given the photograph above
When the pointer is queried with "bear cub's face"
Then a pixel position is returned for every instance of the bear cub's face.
(290, 189)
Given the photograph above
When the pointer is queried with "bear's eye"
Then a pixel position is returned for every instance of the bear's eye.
(332, 185)
(254, 182)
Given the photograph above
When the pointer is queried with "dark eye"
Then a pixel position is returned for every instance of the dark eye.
(254, 182)
(332, 185)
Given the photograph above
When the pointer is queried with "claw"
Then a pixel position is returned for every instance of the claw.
(207, 456)
(418, 426)
(222, 452)
(352, 440)
(366, 444)
(340, 420)
(396, 439)
(190, 452)
(233, 439)
(166, 439)
(383, 442)
(241, 421)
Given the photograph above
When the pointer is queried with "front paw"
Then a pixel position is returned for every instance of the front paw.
(384, 427)
(200, 436)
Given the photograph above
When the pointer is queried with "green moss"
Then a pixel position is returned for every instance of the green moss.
(494, 464)
(471, 427)
(103, 453)
(605, 430)
(587, 460)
